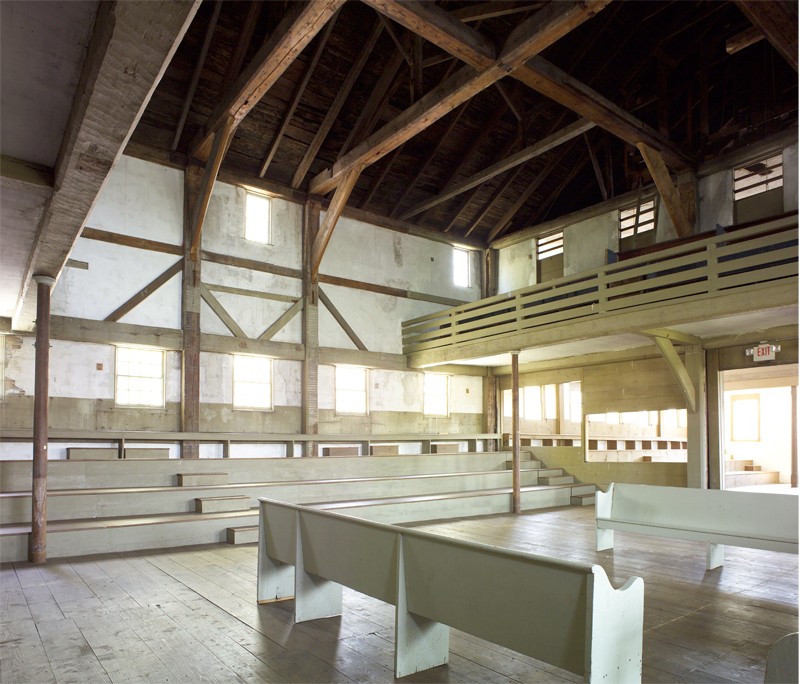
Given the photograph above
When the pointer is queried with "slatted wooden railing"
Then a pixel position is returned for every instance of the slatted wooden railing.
(742, 260)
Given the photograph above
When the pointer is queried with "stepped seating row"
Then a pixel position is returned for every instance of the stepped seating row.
(745, 473)
(204, 505)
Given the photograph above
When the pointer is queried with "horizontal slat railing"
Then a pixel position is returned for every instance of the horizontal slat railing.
(751, 256)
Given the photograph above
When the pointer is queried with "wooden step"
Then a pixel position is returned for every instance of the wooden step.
(737, 465)
(582, 500)
(243, 535)
(747, 478)
(92, 453)
(752, 468)
(556, 480)
(218, 504)
(202, 479)
(147, 452)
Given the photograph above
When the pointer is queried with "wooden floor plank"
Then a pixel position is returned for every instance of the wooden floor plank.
(191, 615)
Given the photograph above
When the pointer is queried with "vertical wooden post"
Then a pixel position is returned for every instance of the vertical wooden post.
(516, 494)
(37, 551)
(490, 408)
(794, 436)
(716, 465)
(310, 329)
(190, 320)
(697, 430)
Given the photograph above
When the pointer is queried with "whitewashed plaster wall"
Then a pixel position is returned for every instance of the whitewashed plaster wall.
(516, 266)
(715, 200)
(80, 370)
(586, 242)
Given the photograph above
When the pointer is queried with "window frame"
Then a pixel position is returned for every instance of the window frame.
(336, 390)
(260, 196)
(466, 255)
(245, 407)
(752, 189)
(118, 376)
(550, 245)
(639, 209)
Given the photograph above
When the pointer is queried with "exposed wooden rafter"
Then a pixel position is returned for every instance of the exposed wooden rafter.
(461, 41)
(777, 20)
(145, 292)
(302, 22)
(222, 314)
(528, 39)
(677, 367)
(525, 155)
(496, 195)
(282, 321)
(341, 320)
(301, 88)
(336, 106)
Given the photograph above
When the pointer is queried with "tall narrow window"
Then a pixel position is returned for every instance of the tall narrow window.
(531, 408)
(758, 177)
(252, 382)
(571, 401)
(461, 262)
(435, 394)
(139, 377)
(550, 256)
(257, 218)
(550, 396)
(351, 390)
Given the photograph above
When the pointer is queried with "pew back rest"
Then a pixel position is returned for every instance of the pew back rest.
(744, 514)
(561, 612)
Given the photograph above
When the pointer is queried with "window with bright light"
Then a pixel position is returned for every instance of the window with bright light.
(531, 408)
(139, 377)
(550, 246)
(461, 267)
(571, 401)
(252, 382)
(351, 390)
(637, 219)
(257, 218)
(758, 177)
(550, 396)
(435, 394)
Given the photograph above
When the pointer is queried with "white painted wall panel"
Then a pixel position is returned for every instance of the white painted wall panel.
(585, 243)
(360, 251)
(216, 378)
(327, 396)
(114, 275)
(395, 391)
(287, 382)
(141, 199)
(716, 200)
(223, 230)
(466, 394)
(517, 266)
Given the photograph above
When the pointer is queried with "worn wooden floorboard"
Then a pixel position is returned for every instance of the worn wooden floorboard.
(190, 615)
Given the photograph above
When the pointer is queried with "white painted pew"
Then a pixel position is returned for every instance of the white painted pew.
(566, 614)
(751, 519)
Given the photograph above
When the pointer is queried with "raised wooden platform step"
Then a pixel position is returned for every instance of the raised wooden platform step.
(218, 504)
(202, 479)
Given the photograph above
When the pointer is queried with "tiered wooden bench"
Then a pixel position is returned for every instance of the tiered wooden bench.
(563, 613)
(749, 519)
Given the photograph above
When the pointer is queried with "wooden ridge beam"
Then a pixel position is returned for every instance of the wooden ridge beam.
(389, 291)
(535, 34)
(336, 106)
(658, 170)
(532, 151)
(145, 292)
(301, 88)
(297, 29)
(743, 40)
(478, 11)
(329, 305)
(777, 20)
(251, 264)
(501, 189)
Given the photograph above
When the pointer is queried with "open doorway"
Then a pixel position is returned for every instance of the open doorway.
(759, 428)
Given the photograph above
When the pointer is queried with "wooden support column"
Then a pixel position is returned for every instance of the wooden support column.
(516, 505)
(794, 436)
(667, 190)
(310, 329)
(490, 408)
(190, 319)
(716, 461)
(37, 550)
(697, 421)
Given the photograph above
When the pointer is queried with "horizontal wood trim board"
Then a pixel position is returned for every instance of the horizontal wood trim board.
(251, 264)
(221, 312)
(131, 241)
(251, 293)
(389, 291)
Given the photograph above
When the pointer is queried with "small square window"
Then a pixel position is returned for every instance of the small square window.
(139, 377)
(758, 177)
(461, 267)
(257, 218)
(435, 394)
(637, 219)
(351, 390)
(550, 246)
(252, 382)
